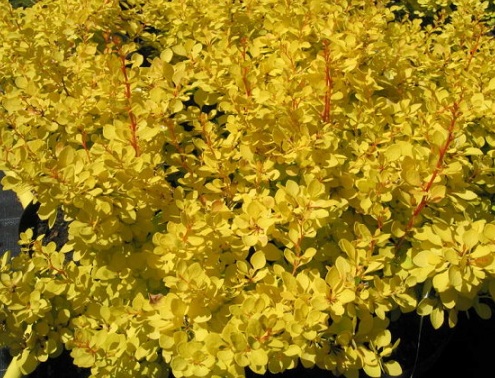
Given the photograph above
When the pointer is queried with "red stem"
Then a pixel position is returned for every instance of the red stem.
(84, 143)
(128, 95)
(325, 115)
(245, 69)
(438, 167)
(473, 50)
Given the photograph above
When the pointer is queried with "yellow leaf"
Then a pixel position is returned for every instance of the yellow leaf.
(426, 258)
(292, 188)
(250, 240)
(393, 152)
(470, 238)
(397, 229)
(491, 84)
(272, 253)
(472, 151)
(483, 310)
(437, 192)
(412, 177)
(258, 357)
(481, 251)
(478, 99)
(109, 132)
(166, 55)
(467, 195)
(195, 240)
(343, 267)
(383, 339)
(444, 231)
(319, 303)
(346, 296)
(373, 370)
(425, 307)
(315, 188)
(392, 368)
(294, 234)
(441, 281)
(21, 82)
(258, 260)
(366, 203)
(455, 276)
(82, 358)
(437, 317)
(348, 248)
(365, 325)
(489, 231)
(309, 253)
(27, 361)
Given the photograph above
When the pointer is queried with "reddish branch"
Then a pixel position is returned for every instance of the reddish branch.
(325, 115)
(132, 116)
(454, 109)
(473, 50)
(128, 94)
(84, 142)
(438, 167)
(245, 68)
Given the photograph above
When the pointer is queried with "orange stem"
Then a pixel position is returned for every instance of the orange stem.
(325, 115)
(128, 95)
(438, 167)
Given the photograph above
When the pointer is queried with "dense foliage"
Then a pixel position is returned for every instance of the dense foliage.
(248, 184)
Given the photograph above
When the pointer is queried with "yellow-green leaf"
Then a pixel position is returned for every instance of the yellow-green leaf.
(258, 260)
(392, 368)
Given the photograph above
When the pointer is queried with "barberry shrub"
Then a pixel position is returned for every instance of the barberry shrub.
(248, 184)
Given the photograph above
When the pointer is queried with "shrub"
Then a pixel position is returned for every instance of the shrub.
(248, 184)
